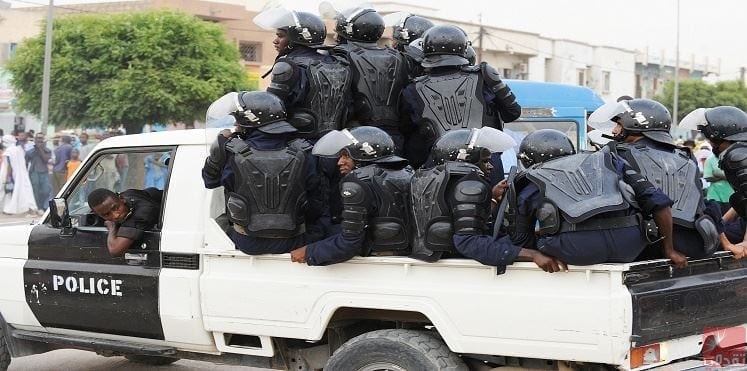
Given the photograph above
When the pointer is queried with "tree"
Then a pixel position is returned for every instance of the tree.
(127, 69)
(696, 94)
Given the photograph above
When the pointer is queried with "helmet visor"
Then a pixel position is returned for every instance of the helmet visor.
(694, 119)
(220, 112)
(332, 143)
(349, 9)
(274, 18)
(601, 118)
(598, 137)
(396, 19)
(491, 139)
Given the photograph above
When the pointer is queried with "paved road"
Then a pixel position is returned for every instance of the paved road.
(79, 360)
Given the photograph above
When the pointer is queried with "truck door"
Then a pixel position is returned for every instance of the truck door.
(71, 282)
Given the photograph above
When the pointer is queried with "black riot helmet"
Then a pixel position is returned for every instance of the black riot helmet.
(302, 28)
(444, 45)
(471, 55)
(411, 28)
(308, 30)
(253, 110)
(361, 25)
(542, 145)
(468, 145)
(364, 144)
(726, 123)
(647, 117)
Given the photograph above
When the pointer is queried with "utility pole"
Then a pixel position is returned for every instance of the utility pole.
(676, 98)
(47, 68)
(741, 75)
(479, 38)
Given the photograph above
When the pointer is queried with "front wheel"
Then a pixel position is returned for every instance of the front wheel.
(394, 350)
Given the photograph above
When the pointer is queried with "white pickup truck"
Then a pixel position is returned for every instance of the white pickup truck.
(185, 292)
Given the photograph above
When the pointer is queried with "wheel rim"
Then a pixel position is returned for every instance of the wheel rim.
(382, 366)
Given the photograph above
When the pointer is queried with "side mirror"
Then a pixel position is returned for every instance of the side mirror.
(58, 214)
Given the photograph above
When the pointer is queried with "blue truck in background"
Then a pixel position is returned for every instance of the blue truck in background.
(546, 105)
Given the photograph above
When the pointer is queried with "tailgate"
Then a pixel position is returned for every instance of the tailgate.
(672, 303)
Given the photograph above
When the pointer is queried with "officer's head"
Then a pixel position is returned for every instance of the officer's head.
(721, 125)
(307, 29)
(643, 117)
(473, 146)
(108, 205)
(444, 45)
(359, 24)
(358, 147)
(542, 145)
(253, 110)
(410, 28)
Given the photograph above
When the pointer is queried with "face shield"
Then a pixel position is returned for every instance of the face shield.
(694, 119)
(274, 18)
(220, 118)
(491, 139)
(333, 142)
(397, 19)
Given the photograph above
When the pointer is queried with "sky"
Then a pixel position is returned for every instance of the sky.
(712, 28)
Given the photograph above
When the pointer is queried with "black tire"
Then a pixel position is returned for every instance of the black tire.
(397, 350)
(151, 360)
(4, 352)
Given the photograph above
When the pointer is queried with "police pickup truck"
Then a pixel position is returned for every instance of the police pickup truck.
(185, 292)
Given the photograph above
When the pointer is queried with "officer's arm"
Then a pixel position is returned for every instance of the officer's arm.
(214, 163)
(117, 245)
(505, 100)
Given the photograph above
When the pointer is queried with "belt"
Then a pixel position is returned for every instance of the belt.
(602, 223)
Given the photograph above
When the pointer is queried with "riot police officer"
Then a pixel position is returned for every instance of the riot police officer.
(378, 74)
(406, 28)
(643, 140)
(247, 163)
(483, 98)
(314, 87)
(589, 206)
(725, 127)
(374, 192)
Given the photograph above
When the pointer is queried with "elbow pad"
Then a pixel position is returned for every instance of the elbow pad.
(494, 82)
(637, 181)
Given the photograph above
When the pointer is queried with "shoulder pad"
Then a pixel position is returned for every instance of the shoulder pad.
(300, 144)
(490, 73)
(461, 168)
(236, 145)
(283, 70)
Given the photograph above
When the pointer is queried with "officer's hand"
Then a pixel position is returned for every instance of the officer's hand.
(299, 255)
(678, 259)
(109, 224)
(737, 249)
(499, 189)
(548, 264)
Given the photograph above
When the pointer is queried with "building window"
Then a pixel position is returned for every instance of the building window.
(250, 51)
(581, 76)
(12, 49)
(606, 79)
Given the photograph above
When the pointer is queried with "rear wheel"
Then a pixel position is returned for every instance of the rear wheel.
(394, 350)
(151, 360)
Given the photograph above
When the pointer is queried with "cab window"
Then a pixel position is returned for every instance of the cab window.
(119, 170)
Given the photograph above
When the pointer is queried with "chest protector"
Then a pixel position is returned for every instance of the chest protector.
(434, 220)
(672, 172)
(576, 188)
(453, 101)
(269, 199)
(389, 214)
(734, 164)
(323, 108)
(380, 75)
